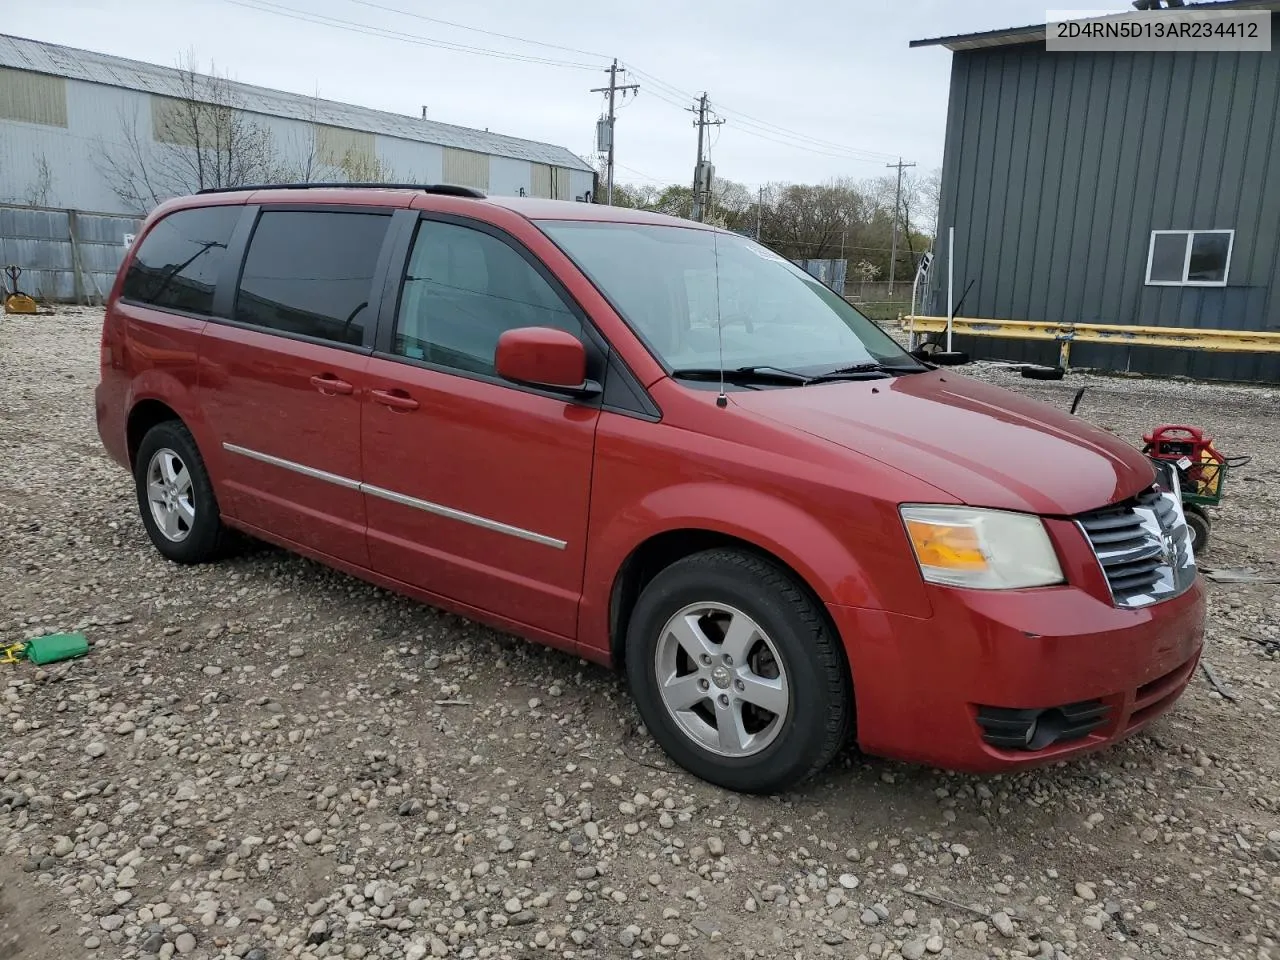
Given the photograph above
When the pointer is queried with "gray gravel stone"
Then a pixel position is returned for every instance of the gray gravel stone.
(373, 768)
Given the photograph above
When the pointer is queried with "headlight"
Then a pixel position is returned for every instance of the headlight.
(982, 549)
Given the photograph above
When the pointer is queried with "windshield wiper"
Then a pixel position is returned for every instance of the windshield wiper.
(865, 371)
(762, 373)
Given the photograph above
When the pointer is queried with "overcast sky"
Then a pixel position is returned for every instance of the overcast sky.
(809, 90)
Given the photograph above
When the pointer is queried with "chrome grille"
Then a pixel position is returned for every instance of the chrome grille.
(1143, 545)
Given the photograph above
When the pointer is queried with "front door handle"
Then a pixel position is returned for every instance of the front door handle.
(395, 399)
(329, 384)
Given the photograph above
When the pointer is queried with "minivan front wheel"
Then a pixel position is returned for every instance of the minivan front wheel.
(175, 496)
(736, 673)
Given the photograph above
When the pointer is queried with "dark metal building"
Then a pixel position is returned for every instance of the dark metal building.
(1137, 188)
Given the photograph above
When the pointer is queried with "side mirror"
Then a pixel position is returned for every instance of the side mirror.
(544, 357)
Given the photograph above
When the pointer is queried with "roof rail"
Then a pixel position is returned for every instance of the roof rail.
(446, 189)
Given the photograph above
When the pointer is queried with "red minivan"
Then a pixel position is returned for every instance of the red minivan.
(656, 445)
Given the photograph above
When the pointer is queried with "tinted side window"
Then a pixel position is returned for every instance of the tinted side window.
(177, 264)
(311, 273)
(464, 289)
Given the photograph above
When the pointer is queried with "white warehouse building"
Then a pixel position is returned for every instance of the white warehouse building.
(64, 112)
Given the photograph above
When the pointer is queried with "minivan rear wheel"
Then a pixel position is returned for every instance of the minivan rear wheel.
(175, 496)
(736, 672)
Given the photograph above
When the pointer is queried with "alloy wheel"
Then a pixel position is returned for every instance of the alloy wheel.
(170, 495)
(722, 679)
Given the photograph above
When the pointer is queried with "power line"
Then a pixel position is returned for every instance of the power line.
(747, 120)
(657, 82)
(267, 6)
(781, 242)
(783, 131)
(660, 89)
(763, 133)
(641, 173)
(800, 146)
(463, 26)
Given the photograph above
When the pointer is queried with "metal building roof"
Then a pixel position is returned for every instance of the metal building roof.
(1034, 33)
(20, 53)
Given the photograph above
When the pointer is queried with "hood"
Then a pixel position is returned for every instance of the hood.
(985, 446)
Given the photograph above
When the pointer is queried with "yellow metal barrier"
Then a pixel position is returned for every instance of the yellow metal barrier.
(1115, 334)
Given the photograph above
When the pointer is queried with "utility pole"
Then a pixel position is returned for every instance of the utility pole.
(759, 214)
(897, 208)
(607, 130)
(701, 169)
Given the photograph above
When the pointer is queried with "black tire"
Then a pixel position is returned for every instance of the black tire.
(1198, 527)
(204, 539)
(819, 710)
(1043, 373)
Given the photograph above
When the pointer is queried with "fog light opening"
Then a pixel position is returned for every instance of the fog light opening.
(1046, 728)
(1035, 728)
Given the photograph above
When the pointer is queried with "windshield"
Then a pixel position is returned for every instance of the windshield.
(665, 281)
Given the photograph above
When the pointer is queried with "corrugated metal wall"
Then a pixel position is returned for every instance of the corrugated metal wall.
(65, 255)
(466, 169)
(1058, 167)
(71, 128)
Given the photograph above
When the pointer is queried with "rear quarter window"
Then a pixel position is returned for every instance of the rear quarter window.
(177, 265)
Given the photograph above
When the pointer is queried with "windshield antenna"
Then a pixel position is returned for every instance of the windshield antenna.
(722, 400)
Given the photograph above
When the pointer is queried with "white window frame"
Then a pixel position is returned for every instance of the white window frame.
(1186, 263)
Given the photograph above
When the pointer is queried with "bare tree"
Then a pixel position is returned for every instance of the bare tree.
(814, 221)
(41, 186)
(733, 205)
(640, 197)
(916, 214)
(128, 166)
(301, 162)
(360, 167)
(201, 138)
(929, 192)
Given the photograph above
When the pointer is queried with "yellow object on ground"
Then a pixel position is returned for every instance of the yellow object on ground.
(20, 303)
(1210, 474)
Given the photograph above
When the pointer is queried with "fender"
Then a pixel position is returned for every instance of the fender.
(165, 387)
(805, 542)
(173, 393)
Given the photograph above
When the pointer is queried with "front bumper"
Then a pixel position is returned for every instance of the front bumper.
(920, 683)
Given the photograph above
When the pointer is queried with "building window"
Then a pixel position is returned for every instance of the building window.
(560, 184)
(32, 98)
(540, 180)
(1189, 258)
(190, 123)
(464, 168)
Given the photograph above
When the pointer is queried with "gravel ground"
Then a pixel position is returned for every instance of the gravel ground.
(266, 759)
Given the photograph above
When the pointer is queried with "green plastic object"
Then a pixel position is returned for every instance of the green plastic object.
(59, 646)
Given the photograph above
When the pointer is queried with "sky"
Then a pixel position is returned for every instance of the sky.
(808, 91)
